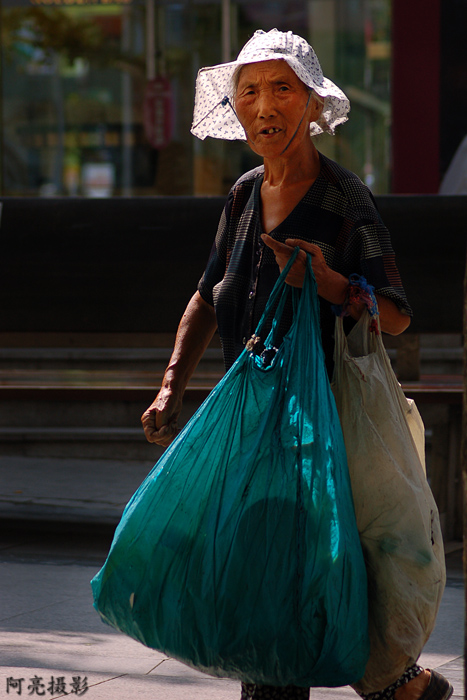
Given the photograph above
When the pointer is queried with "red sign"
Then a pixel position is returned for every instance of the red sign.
(157, 112)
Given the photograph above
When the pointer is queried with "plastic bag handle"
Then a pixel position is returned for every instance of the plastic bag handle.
(371, 342)
(281, 288)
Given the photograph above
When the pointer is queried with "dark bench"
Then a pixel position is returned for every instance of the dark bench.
(118, 273)
(126, 267)
(110, 265)
(131, 264)
(429, 235)
(121, 270)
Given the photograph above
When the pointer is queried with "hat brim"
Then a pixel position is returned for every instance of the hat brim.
(214, 115)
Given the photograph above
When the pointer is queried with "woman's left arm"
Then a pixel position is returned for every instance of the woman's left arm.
(331, 285)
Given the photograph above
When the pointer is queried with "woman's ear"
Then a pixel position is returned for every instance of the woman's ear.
(316, 107)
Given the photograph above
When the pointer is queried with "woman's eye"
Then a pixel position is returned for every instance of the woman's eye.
(283, 88)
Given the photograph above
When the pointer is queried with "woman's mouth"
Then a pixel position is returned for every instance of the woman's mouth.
(271, 130)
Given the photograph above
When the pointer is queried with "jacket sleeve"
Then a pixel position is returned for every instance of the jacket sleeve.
(217, 262)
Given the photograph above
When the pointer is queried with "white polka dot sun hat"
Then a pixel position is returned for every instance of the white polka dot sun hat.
(214, 113)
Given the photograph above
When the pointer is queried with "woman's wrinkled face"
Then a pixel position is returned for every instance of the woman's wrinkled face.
(270, 101)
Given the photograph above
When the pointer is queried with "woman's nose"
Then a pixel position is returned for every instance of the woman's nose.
(266, 105)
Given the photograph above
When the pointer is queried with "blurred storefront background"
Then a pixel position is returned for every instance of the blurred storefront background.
(97, 95)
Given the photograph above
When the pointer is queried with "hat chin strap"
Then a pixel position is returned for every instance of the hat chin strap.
(299, 123)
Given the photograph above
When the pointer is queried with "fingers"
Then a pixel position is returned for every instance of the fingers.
(276, 246)
(285, 249)
(162, 435)
(160, 419)
(311, 248)
(282, 253)
(148, 420)
(165, 435)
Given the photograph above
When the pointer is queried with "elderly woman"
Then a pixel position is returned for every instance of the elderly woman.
(274, 96)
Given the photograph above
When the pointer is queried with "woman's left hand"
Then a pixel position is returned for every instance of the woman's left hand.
(332, 286)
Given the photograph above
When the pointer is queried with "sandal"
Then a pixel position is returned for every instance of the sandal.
(439, 688)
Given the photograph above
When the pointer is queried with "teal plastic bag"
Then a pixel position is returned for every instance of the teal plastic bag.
(239, 554)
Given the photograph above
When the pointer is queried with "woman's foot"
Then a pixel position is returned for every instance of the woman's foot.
(428, 685)
(415, 688)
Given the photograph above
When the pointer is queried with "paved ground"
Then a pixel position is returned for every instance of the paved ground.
(70, 490)
(48, 627)
(49, 632)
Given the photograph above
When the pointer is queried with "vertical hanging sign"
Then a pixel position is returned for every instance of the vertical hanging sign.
(158, 112)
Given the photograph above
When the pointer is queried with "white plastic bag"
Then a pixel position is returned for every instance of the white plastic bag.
(397, 517)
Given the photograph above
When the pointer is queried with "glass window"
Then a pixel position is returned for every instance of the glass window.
(97, 95)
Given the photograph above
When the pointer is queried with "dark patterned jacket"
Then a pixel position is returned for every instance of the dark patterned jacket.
(338, 214)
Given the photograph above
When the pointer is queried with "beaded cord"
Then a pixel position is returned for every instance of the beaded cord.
(251, 691)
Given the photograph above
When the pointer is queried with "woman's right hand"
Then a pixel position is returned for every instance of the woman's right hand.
(160, 419)
(195, 331)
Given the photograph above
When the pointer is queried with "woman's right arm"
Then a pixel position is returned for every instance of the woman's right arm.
(195, 332)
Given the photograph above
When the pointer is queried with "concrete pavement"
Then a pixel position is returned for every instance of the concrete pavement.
(93, 491)
(51, 637)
